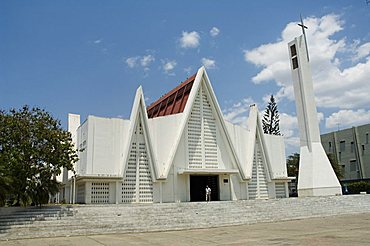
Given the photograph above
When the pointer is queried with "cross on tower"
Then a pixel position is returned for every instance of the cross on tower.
(304, 35)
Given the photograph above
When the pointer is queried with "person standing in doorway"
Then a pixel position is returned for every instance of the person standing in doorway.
(208, 194)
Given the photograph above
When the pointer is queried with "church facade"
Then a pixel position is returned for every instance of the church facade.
(171, 150)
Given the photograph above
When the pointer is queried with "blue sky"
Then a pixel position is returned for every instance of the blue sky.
(88, 57)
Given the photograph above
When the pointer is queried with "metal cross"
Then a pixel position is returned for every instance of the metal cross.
(304, 35)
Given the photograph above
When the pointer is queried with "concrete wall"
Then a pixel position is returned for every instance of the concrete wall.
(276, 152)
(102, 141)
(352, 150)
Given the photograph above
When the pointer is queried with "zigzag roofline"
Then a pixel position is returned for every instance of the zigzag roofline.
(255, 126)
(139, 105)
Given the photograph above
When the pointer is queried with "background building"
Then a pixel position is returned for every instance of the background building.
(352, 150)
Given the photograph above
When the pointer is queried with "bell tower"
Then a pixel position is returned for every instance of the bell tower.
(316, 175)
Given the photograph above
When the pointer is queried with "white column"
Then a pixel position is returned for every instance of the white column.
(316, 176)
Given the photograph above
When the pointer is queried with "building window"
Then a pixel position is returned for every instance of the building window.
(363, 149)
(342, 146)
(340, 156)
(329, 146)
(353, 165)
(352, 147)
(367, 138)
(293, 50)
(295, 62)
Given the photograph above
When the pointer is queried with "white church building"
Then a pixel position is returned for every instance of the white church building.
(170, 150)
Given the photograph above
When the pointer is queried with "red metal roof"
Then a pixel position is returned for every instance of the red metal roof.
(173, 102)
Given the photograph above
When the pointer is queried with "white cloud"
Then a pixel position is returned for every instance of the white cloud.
(335, 86)
(189, 39)
(238, 112)
(132, 61)
(168, 66)
(320, 116)
(208, 63)
(140, 61)
(348, 118)
(289, 129)
(98, 41)
(146, 60)
(288, 124)
(363, 51)
(214, 31)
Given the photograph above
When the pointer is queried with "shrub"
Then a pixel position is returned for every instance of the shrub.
(357, 187)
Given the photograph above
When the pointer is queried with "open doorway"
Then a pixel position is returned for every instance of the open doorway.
(198, 185)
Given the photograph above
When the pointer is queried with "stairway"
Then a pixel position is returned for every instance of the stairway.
(126, 218)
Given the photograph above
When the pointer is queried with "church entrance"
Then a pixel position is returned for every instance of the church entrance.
(198, 185)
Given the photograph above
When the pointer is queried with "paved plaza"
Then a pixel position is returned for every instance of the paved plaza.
(333, 230)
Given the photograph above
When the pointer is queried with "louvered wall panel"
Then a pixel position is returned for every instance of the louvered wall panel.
(202, 134)
(252, 186)
(137, 185)
(195, 134)
(261, 172)
(129, 183)
(145, 179)
(209, 134)
(258, 186)
(280, 190)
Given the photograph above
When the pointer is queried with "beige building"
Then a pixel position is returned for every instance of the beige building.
(352, 149)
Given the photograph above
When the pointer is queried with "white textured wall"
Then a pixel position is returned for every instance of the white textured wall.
(105, 143)
(73, 124)
(164, 132)
(240, 139)
(276, 153)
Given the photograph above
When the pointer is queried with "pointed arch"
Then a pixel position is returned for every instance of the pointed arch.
(139, 168)
(259, 166)
(202, 79)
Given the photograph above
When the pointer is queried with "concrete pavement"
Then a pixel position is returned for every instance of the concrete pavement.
(334, 230)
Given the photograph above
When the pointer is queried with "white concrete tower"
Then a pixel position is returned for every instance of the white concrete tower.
(316, 175)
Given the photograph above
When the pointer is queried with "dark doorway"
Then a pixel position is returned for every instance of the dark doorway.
(198, 185)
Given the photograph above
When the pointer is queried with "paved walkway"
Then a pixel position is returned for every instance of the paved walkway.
(333, 230)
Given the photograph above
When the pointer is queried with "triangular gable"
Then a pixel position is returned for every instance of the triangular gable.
(256, 130)
(139, 115)
(202, 76)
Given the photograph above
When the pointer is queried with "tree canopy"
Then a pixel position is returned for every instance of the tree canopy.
(271, 121)
(293, 165)
(33, 150)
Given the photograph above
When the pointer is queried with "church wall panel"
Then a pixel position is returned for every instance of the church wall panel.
(225, 189)
(168, 189)
(106, 146)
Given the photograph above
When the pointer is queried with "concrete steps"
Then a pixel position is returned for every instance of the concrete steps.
(123, 218)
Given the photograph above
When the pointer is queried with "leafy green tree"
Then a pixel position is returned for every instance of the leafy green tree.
(293, 165)
(5, 181)
(271, 121)
(334, 163)
(33, 151)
